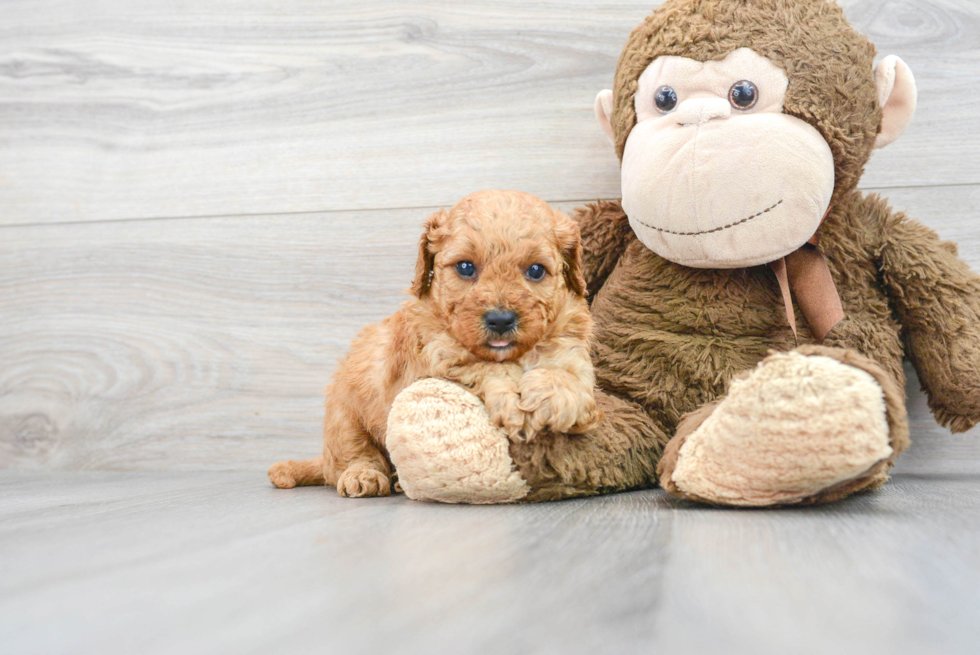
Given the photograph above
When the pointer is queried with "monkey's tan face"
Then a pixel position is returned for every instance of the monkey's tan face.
(714, 174)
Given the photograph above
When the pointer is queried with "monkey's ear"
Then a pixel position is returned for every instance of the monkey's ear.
(570, 243)
(897, 95)
(431, 235)
(603, 113)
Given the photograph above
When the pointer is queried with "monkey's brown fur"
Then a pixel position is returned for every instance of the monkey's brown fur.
(543, 382)
(669, 339)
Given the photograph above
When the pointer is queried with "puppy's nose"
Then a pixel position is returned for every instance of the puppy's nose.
(500, 321)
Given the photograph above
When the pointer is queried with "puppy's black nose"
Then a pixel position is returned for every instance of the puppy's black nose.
(500, 321)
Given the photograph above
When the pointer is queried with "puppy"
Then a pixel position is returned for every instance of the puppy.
(498, 306)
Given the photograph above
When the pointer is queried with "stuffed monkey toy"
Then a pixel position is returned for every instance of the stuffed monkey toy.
(752, 309)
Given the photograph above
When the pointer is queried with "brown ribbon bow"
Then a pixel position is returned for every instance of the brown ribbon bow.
(806, 275)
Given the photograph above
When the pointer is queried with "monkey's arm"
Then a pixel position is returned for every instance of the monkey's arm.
(937, 298)
(605, 234)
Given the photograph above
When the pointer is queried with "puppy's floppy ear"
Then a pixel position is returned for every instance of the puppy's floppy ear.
(431, 235)
(570, 243)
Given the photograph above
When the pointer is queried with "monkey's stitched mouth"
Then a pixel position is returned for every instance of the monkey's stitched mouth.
(717, 229)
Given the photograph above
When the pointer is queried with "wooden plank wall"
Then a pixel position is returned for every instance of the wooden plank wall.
(201, 203)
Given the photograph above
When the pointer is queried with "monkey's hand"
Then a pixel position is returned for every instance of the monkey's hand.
(557, 401)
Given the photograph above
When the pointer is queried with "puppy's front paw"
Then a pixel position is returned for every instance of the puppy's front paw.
(556, 401)
(502, 406)
(362, 481)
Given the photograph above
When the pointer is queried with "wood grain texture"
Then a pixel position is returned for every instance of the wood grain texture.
(227, 107)
(204, 563)
(201, 341)
(205, 343)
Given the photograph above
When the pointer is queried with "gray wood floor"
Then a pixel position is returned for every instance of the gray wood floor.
(117, 562)
(200, 205)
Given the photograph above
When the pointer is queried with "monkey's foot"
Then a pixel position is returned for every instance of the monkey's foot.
(813, 425)
(444, 447)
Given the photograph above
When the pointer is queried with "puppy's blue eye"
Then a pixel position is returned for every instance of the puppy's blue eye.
(466, 270)
(536, 272)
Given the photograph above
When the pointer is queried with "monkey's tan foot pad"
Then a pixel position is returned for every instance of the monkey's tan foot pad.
(445, 449)
(799, 428)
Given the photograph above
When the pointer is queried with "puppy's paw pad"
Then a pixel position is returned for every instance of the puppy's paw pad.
(281, 475)
(363, 482)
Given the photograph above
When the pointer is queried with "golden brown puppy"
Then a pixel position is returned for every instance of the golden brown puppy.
(498, 307)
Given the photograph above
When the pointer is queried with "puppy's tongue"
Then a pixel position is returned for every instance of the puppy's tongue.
(500, 343)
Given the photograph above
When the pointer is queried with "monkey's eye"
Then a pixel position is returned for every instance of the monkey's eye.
(536, 272)
(666, 99)
(743, 95)
(466, 270)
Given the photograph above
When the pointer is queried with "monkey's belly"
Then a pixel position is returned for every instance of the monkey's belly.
(670, 338)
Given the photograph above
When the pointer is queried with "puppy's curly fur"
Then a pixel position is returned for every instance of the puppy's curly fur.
(533, 377)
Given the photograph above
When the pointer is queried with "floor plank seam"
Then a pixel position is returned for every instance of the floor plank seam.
(420, 208)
